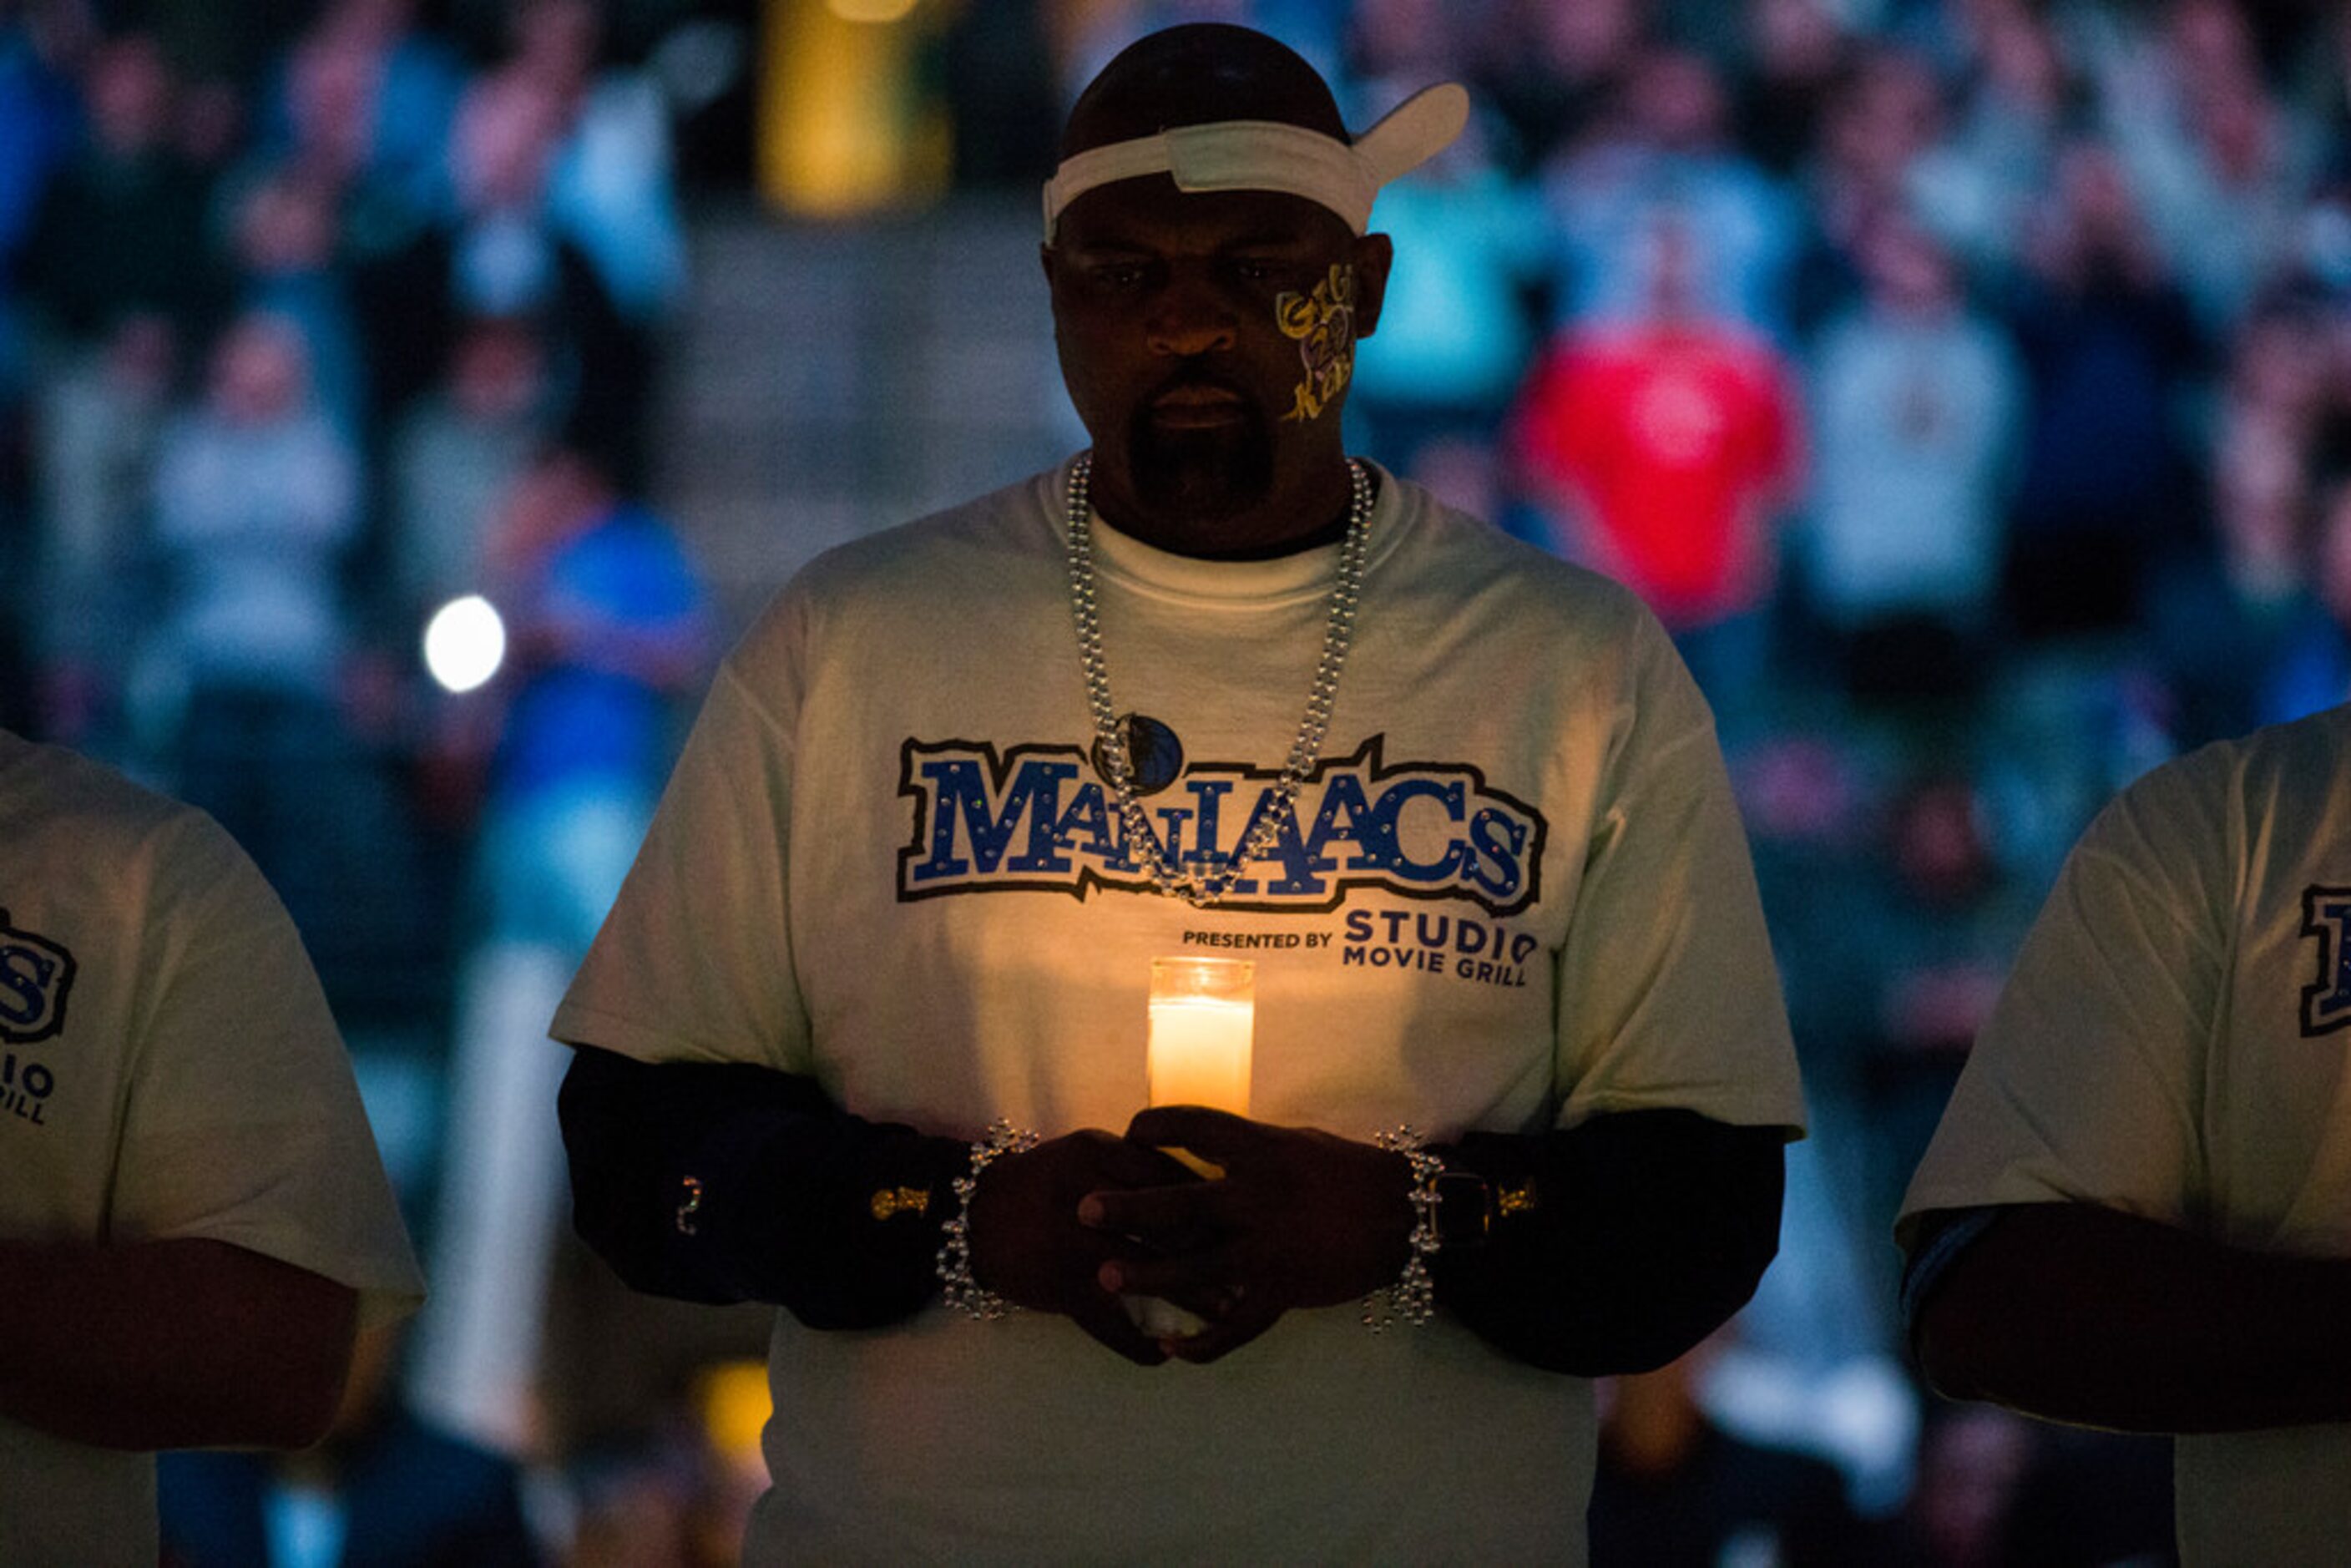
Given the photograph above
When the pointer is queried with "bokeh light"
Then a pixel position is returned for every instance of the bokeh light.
(464, 643)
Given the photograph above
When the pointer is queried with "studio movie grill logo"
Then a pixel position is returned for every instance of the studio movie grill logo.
(36, 976)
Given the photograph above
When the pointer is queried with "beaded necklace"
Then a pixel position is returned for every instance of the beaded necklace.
(1196, 886)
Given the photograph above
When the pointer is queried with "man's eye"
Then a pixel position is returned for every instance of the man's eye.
(1252, 271)
(1118, 275)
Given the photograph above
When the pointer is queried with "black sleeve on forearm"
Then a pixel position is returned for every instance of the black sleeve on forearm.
(727, 1182)
(1617, 1245)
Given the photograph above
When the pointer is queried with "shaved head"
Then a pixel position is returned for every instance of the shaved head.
(1197, 75)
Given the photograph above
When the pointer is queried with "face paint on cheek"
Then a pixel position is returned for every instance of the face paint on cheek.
(1323, 324)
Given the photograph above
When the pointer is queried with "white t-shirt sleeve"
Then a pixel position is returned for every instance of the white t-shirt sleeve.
(1667, 995)
(695, 961)
(243, 1123)
(2085, 1084)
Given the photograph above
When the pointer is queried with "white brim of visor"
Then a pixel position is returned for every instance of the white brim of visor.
(1267, 155)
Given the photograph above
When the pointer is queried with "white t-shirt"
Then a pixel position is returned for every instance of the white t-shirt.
(2175, 1042)
(1517, 896)
(167, 1069)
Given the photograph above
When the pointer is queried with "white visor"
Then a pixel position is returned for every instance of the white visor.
(1267, 155)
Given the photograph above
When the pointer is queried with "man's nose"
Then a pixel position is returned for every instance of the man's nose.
(1189, 317)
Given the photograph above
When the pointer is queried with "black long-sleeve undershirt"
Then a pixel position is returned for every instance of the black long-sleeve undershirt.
(1626, 1241)
(1649, 1229)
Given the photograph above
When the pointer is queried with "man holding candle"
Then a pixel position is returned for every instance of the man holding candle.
(1518, 1042)
(2137, 1212)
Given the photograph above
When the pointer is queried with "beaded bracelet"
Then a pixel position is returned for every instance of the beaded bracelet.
(1413, 1297)
(963, 1292)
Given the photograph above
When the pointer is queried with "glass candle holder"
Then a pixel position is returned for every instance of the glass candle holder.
(1197, 1052)
(1203, 1020)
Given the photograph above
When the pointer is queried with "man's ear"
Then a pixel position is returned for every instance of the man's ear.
(1045, 260)
(1373, 256)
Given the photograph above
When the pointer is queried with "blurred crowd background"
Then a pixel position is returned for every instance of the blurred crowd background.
(1967, 384)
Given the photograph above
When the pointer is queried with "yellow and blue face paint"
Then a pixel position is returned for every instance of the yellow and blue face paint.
(1323, 324)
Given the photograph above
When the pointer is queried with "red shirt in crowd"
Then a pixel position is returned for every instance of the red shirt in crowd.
(1674, 443)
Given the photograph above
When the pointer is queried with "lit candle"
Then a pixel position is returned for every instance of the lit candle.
(1199, 1051)
(1203, 1016)
(1203, 1020)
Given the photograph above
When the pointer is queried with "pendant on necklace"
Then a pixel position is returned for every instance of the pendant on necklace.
(1154, 753)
